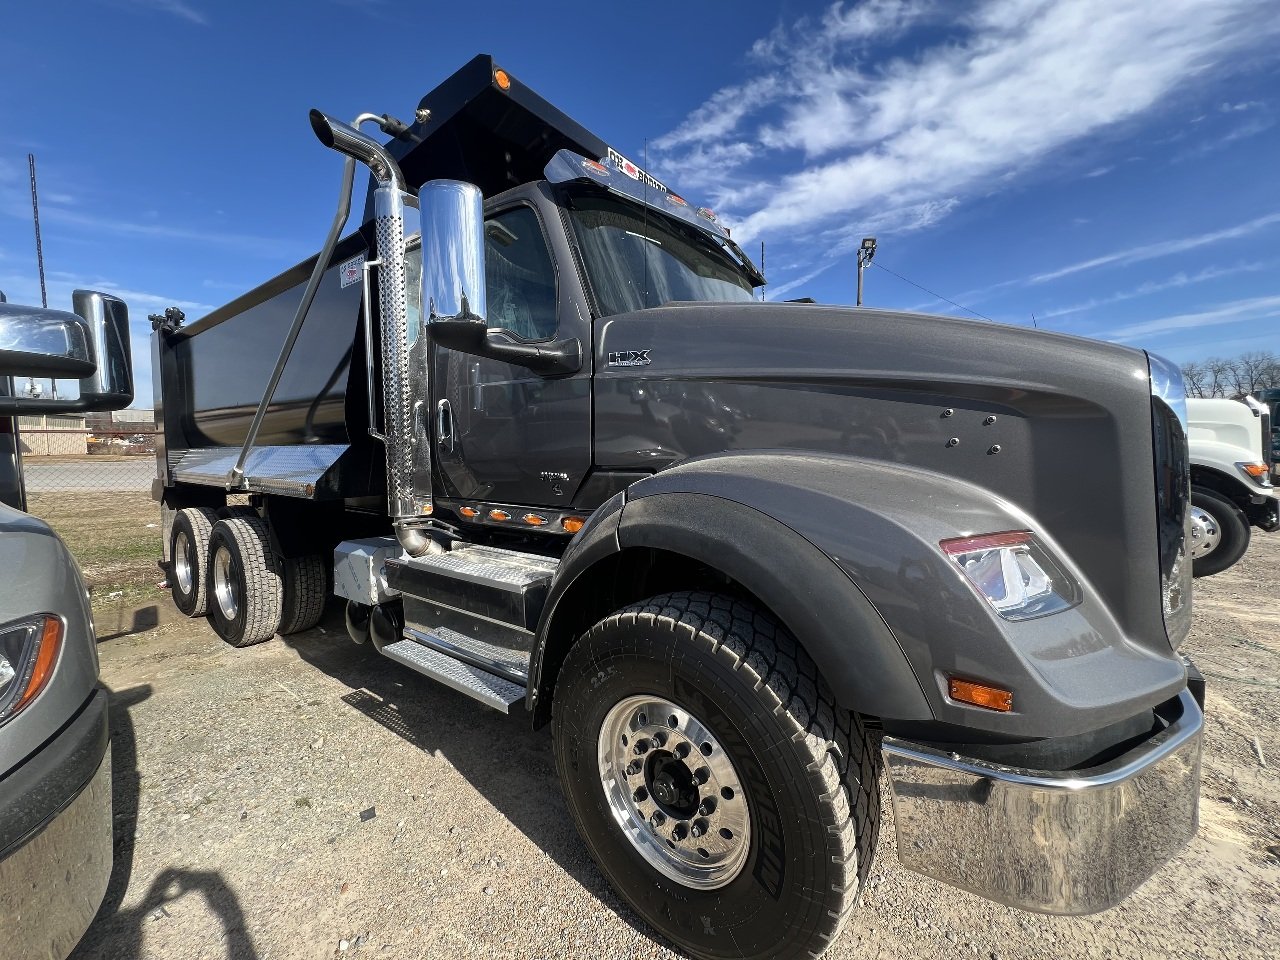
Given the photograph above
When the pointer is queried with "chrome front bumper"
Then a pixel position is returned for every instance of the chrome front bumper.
(1069, 843)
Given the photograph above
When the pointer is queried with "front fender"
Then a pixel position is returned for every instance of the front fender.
(880, 523)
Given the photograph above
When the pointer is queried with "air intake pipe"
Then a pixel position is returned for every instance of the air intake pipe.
(405, 504)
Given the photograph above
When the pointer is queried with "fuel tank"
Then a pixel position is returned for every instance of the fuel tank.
(1060, 427)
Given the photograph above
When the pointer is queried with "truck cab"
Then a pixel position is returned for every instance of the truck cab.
(551, 452)
(1231, 488)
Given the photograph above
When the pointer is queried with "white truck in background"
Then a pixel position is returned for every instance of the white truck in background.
(1231, 488)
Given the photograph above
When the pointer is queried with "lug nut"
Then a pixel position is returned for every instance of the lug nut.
(641, 795)
(679, 832)
(708, 807)
(660, 738)
(658, 819)
(634, 768)
(682, 750)
(700, 827)
(702, 774)
(643, 745)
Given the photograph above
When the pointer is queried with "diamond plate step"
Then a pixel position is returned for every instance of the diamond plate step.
(504, 586)
(474, 682)
(513, 664)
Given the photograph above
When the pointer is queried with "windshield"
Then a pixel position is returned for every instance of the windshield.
(637, 259)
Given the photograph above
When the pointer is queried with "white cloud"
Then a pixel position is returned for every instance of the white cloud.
(1163, 248)
(1012, 83)
(1253, 308)
(1180, 279)
(177, 8)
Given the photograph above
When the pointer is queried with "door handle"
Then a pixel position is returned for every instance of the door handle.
(444, 425)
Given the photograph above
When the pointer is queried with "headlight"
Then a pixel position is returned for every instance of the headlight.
(1257, 472)
(1013, 573)
(28, 653)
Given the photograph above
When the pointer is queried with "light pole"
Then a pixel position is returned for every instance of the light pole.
(865, 253)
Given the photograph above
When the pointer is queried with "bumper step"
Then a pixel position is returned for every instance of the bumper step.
(491, 690)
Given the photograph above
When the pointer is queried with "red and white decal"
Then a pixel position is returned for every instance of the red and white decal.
(349, 272)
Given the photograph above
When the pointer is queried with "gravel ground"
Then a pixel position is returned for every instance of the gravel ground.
(305, 799)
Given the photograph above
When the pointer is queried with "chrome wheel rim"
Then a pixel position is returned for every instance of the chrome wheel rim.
(226, 587)
(182, 561)
(1206, 534)
(674, 792)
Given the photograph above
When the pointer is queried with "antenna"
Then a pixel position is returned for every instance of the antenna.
(35, 215)
(763, 285)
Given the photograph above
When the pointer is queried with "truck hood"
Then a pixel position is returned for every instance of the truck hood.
(1058, 426)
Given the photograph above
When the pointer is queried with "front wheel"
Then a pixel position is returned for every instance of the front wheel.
(1219, 532)
(715, 781)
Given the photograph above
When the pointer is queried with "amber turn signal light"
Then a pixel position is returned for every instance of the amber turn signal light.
(1254, 470)
(502, 79)
(46, 657)
(573, 524)
(980, 695)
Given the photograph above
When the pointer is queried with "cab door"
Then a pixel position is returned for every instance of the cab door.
(504, 434)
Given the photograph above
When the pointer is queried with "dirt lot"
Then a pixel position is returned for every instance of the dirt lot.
(304, 799)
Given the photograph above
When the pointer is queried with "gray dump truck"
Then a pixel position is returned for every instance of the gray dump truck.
(552, 452)
(55, 755)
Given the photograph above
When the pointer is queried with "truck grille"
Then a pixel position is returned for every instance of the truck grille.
(1173, 493)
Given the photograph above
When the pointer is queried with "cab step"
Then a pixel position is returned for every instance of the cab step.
(502, 586)
(491, 690)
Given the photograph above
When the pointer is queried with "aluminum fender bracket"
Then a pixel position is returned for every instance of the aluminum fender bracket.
(1068, 843)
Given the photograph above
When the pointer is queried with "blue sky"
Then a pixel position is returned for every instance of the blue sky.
(1110, 168)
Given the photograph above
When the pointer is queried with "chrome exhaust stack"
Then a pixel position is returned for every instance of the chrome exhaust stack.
(406, 506)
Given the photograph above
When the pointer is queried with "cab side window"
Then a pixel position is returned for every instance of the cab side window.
(520, 276)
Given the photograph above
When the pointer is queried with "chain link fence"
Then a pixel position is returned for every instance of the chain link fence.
(70, 458)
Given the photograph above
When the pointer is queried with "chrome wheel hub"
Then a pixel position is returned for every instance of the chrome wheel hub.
(674, 792)
(1206, 535)
(226, 587)
(182, 561)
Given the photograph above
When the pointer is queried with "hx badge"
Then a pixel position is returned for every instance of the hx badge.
(629, 358)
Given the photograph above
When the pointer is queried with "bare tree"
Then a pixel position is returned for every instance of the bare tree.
(1193, 375)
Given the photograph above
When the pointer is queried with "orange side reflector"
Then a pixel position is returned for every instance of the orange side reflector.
(499, 515)
(502, 79)
(469, 512)
(573, 524)
(50, 644)
(980, 695)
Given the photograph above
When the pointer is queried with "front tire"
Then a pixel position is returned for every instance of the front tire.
(246, 592)
(1220, 532)
(744, 721)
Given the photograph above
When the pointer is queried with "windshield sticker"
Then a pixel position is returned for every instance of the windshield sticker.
(707, 214)
(634, 172)
(349, 272)
(592, 167)
(677, 200)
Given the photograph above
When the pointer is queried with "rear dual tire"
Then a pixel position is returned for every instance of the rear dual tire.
(795, 778)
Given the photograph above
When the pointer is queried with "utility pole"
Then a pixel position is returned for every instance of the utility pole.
(35, 215)
(865, 252)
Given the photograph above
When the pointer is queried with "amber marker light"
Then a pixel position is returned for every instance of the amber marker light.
(1254, 470)
(980, 695)
(573, 524)
(50, 644)
(499, 515)
(469, 512)
(533, 520)
(502, 79)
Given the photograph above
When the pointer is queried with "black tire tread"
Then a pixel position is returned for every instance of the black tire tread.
(842, 763)
(263, 593)
(201, 521)
(306, 588)
(1236, 532)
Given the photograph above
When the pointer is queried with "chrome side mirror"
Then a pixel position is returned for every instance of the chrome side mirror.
(110, 386)
(36, 342)
(453, 287)
(91, 345)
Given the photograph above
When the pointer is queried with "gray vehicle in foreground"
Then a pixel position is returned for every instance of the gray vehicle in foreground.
(55, 758)
(739, 555)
